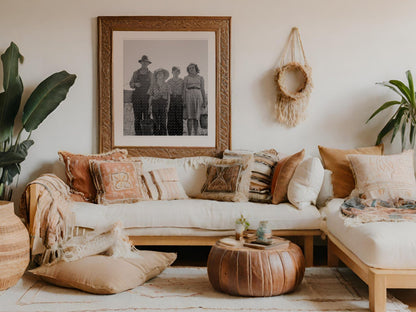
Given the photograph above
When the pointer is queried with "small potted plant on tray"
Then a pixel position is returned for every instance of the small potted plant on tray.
(241, 225)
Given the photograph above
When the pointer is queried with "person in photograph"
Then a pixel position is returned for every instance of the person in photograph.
(194, 97)
(159, 100)
(175, 113)
(140, 82)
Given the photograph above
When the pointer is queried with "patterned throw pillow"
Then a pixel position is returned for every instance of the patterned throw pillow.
(336, 161)
(228, 179)
(77, 169)
(118, 181)
(164, 184)
(261, 173)
(283, 174)
(384, 177)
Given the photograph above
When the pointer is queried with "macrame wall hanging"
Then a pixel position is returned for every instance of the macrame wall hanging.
(293, 82)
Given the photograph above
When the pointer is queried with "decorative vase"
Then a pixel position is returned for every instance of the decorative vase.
(14, 246)
(263, 231)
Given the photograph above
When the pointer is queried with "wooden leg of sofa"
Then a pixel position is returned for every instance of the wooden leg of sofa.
(333, 260)
(308, 250)
(377, 292)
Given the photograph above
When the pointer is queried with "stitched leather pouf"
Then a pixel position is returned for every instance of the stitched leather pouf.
(14, 246)
(245, 271)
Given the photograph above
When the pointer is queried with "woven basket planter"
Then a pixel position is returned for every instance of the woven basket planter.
(14, 246)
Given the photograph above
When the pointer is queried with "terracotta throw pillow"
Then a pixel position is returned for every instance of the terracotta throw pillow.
(77, 169)
(118, 181)
(283, 172)
(384, 177)
(336, 161)
(106, 275)
(228, 179)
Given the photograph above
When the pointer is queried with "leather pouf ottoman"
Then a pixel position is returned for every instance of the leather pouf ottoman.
(245, 271)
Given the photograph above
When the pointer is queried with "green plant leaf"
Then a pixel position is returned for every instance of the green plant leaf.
(403, 135)
(393, 88)
(383, 107)
(16, 154)
(398, 120)
(13, 89)
(9, 172)
(45, 98)
(412, 135)
(403, 89)
(10, 60)
(386, 129)
(411, 87)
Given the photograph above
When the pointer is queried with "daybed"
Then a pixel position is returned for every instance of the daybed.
(382, 254)
(190, 221)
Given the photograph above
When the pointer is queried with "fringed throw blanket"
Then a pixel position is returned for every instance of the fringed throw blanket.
(359, 210)
(50, 221)
(51, 227)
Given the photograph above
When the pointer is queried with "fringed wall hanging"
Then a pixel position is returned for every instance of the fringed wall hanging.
(293, 82)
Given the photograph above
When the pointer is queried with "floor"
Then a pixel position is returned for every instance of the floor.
(198, 255)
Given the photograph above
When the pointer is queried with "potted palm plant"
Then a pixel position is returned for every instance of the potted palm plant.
(404, 117)
(15, 137)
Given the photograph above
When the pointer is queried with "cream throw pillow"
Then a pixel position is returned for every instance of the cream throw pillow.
(384, 177)
(106, 275)
(306, 183)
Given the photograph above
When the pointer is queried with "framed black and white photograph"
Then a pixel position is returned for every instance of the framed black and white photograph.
(164, 86)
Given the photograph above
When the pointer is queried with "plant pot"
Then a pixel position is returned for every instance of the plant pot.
(239, 230)
(14, 246)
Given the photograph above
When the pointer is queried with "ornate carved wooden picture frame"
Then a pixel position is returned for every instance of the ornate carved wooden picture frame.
(164, 85)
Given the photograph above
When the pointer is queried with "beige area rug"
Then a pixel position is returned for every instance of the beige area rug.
(188, 289)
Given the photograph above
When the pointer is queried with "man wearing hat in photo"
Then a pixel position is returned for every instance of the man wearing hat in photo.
(140, 82)
(159, 100)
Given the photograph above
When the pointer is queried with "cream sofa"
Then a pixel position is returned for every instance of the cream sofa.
(193, 221)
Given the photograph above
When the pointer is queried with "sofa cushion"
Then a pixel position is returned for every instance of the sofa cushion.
(282, 175)
(385, 245)
(168, 184)
(191, 170)
(306, 183)
(336, 161)
(77, 169)
(106, 275)
(228, 179)
(261, 172)
(118, 181)
(195, 213)
(384, 177)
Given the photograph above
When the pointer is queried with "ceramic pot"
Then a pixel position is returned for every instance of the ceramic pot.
(14, 246)
(239, 230)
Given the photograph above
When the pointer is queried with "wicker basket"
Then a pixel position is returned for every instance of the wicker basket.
(14, 246)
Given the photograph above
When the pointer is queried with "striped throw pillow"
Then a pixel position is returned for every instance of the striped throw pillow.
(261, 172)
(164, 184)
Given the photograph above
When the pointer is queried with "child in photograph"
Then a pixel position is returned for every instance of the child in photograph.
(194, 97)
(159, 100)
(140, 82)
(175, 113)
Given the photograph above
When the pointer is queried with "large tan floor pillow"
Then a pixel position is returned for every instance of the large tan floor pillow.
(106, 275)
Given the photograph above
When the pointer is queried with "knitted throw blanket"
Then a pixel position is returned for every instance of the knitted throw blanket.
(51, 227)
(359, 210)
(52, 221)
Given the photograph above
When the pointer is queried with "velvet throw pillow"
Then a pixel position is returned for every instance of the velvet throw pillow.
(106, 275)
(118, 181)
(336, 161)
(261, 172)
(384, 177)
(164, 184)
(228, 179)
(77, 169)
(283, 173)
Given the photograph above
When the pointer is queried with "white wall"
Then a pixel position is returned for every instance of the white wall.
(350, 45)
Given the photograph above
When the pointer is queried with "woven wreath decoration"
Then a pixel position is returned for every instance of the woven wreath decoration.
(291, 103)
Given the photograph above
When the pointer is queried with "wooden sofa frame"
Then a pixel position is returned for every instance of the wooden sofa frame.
(306, 236)
(378, 280)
